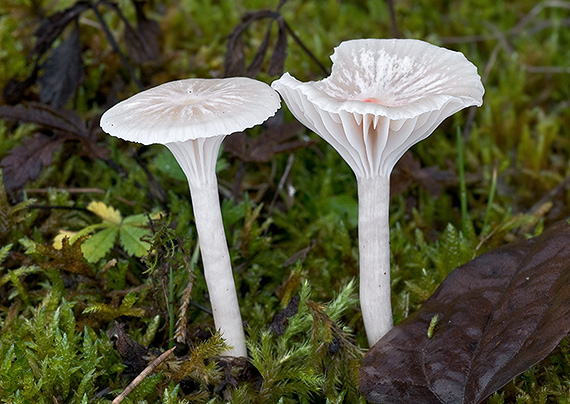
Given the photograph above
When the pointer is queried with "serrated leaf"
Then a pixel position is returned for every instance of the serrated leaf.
(99, 244)
(141, 219)
(26, 161)
(498, 315)
(52, 26)
(130, 238)
(66, 121)
(105, 212)
(136, 220)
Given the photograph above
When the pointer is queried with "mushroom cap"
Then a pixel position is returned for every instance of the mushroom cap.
(382, 97)
(191, 109)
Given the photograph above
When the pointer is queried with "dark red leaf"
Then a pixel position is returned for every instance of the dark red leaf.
(498, 315)
(143, 43)
(62, 72)
(274, 139)
(280, 50)
(44, 115)
(281, 319)
(408, 170)
(133, 354)
(52, 26)
(26, 161)
(15, 90)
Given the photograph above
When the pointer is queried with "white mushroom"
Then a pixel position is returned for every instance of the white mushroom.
(192, 117)
(382, 97)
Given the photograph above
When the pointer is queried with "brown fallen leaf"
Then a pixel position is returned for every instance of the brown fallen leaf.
(497, 316)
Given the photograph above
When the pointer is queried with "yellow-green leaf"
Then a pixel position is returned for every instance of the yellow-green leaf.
(105, 212)
(99, 244)
(130, 238)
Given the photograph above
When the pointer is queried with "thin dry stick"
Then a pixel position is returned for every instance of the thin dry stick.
(70, 190)
(148, 370)
(305, 49)
(281, 184)
(550, 195)
(517, 29)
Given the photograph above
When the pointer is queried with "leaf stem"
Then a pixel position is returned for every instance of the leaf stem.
(492, 191)
(462, 184)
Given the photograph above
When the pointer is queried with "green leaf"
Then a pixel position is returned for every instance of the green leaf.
(166, 163)
(142, 219)
(130, 238)
(136, 220)
(343, 205)
(99, 244)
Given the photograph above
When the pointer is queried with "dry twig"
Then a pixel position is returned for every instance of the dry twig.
(137, 380)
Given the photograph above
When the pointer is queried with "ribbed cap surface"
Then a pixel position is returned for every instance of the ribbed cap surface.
(191, 109)
(382, 97)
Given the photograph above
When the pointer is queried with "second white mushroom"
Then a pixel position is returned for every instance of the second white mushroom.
(382, 97)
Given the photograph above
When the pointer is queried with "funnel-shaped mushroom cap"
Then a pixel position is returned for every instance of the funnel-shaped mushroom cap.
(191, 109)
(382, 97)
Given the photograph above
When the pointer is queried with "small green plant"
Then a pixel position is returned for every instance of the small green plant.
(110, 313)
(129, 231)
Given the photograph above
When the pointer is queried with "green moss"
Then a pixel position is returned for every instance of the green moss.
(296, 241)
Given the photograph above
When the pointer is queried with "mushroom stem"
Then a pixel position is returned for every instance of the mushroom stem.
(374, 252)
(217, 266)
(197, 158)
